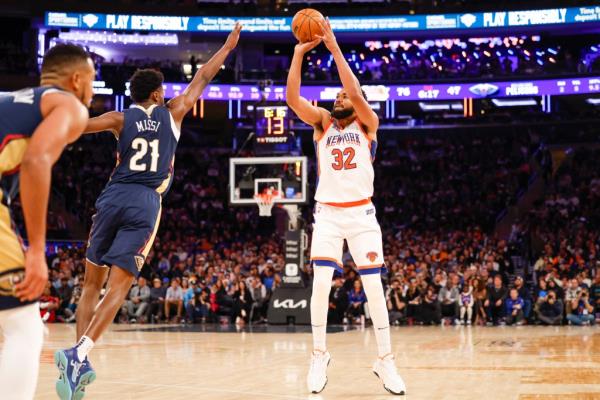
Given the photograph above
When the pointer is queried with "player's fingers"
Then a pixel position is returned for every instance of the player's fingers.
(20, 287)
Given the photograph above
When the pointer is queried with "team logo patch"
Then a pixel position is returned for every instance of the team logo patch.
(484, 89)
(372, 256)
(139, 262)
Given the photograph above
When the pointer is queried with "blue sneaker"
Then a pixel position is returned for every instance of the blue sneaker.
(74, 374)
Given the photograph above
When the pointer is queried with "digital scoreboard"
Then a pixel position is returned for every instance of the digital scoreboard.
(272, 130)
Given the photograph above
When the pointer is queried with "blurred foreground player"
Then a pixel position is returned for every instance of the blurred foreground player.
(129, 208)
(345, 142)
(35, 126)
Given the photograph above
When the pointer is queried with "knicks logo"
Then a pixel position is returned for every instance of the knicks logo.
(372, 256)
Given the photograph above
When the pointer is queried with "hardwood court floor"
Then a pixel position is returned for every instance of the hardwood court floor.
(522, 363)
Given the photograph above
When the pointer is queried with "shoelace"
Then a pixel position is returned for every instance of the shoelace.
(390, 367)
(316, 358)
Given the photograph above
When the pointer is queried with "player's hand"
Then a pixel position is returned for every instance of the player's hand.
(303, 48)
(234, 36)
(327, 37)
(36, 276)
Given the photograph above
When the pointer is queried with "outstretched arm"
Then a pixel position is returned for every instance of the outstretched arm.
(111, 121)
(303, 108)
(182, 104)
(351, 85)
(64, 120)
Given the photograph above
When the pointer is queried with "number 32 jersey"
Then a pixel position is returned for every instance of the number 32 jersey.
(146, 148)
(345, 165)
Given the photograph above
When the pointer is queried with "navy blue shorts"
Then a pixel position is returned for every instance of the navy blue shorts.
(124, 226)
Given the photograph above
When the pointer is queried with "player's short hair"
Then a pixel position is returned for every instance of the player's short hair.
(61, 56)
(143, 82)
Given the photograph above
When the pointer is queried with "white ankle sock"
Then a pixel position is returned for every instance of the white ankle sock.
(378, 311)
(319, 302)
(84, 346)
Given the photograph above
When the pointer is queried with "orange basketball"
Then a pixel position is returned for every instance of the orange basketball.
(305, 25)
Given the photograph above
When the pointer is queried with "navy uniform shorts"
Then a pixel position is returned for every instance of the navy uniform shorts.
(124, 226)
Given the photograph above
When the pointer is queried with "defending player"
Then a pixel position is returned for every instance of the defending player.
(129, 208)
(35, 126)
(345, 141)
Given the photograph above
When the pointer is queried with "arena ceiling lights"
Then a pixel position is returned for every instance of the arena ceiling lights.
(433, 107)
(523, 102)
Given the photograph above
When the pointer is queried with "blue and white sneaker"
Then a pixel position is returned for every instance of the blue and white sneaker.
(74, 374)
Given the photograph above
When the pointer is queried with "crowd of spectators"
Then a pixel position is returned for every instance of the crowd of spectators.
(376, 61)
(488, 58)
(437, 199)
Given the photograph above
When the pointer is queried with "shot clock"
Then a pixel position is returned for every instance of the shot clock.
(272, 130)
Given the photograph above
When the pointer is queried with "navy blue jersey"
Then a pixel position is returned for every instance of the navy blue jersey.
(146, 148)
(20, 115)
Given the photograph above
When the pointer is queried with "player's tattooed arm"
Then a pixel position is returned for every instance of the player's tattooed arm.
(307, 112)
(64, 120)
(351, 85)
(182, 104)
(111, 121)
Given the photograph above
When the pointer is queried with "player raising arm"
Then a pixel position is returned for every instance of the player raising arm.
(345, 142)
(129, 208)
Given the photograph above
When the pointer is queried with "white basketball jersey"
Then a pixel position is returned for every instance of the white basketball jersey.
(345, 165)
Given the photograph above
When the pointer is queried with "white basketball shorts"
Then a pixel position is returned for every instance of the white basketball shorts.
(358, 226)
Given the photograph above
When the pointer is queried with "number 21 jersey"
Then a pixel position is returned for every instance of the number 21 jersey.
(345, 165)
(146, 148)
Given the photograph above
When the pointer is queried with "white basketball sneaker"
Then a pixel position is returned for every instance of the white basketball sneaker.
(317, 373)
(385, 369)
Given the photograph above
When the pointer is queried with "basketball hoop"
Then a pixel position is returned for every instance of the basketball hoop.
(265, 202)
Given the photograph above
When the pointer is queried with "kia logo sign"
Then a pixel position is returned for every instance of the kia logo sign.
(289, 303)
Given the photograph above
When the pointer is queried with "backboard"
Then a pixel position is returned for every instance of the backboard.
(249, 176)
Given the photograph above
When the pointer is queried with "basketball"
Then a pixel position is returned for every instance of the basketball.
(305, 25)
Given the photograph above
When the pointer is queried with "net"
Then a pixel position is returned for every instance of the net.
(265, 202)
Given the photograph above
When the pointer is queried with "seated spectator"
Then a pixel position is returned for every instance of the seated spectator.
(260, 299)
(525, 294)
(572, 295)
(550, 309)
(156, 301)
(396, 303)
(480, 295)
(189, 292)
(64, 292)
(198, 308)
(595, 294)
(514, 308)
(582, 312)
(137, 304)
(448, 298)
(225, 303)
(495, 302)
(541, 293)
(466, 301)
(174, 298)
(357, 299)
(430, 311)
(49, 303)
(413, 297)
(71, 308)
(243, 303)
(338, 301)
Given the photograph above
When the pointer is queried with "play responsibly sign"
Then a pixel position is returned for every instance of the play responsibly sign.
(496, 19)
